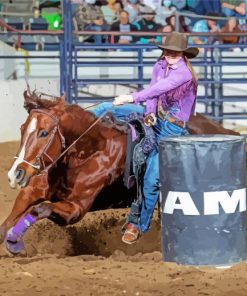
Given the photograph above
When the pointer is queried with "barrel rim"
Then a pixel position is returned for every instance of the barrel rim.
(204, 138)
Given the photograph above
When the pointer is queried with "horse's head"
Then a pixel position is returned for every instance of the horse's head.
(41, 138)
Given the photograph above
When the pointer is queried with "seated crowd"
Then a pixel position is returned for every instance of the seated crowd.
(150, 16)
(158, 16)
(31, 15)
(34, 14)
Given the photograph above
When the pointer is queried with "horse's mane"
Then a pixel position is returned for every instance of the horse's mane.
(35, 100)
(39, 100)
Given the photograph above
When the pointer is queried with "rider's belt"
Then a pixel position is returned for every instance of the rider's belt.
(164, 115)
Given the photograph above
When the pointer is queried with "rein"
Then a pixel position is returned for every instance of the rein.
(88, 107)
(75, 141)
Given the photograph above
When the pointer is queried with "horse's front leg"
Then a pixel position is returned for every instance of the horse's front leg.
(36, 191)
(62, 213)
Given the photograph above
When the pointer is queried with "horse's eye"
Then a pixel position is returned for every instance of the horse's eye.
(43, 134)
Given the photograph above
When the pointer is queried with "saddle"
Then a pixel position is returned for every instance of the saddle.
(140, 142)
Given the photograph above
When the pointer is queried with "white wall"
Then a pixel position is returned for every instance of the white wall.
(7, 66)
(12, 113)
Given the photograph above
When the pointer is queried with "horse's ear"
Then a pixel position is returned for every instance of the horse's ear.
(29, 102)
(60, 103)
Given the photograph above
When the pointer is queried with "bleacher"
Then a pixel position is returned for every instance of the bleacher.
(19, 16)
(18, 7)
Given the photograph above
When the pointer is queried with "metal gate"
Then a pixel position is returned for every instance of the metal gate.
(212, 63)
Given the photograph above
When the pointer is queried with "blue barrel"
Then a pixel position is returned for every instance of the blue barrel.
(203, 199)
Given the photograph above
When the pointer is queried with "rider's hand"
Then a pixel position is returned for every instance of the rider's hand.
(123, 99)
(150, 119)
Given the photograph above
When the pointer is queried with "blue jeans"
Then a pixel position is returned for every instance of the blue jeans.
(120, 112)
(230, 12)
(162, 129)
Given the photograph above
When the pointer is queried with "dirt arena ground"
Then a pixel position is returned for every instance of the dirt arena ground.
(90, 259)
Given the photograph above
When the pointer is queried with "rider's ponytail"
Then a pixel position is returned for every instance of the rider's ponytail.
(189, 66)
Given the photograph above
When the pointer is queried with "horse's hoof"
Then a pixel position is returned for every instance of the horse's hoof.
(14, 247)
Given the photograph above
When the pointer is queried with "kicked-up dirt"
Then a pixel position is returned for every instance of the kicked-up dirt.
(89, 258)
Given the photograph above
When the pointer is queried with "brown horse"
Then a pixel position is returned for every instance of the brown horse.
(66, 157)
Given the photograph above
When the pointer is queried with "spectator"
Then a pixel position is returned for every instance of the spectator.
(133, 9)
(204, 7)
(90, 17)
(205, 26)
(179, 4)
(163, 12)
(243, 39)
(154, 4)
(36, 12)
(110, 12)
(54, 19)
(49, 3)
(234, 7)
(230, 27)
(171, 22)
(119, 7)
(123, 25)
(166, 29)
(192, 5)
(147, 24)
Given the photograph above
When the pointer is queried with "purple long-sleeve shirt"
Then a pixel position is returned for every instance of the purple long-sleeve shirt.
(175, 89)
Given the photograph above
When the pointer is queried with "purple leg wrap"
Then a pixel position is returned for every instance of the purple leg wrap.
(13, 240)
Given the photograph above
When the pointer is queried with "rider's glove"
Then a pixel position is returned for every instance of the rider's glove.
(150, 119)
(123, 99)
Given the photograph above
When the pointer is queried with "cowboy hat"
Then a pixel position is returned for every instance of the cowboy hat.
(178, 42)
(147, 10)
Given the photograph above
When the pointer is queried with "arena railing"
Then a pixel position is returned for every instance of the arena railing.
(12, 31)
(212, 62)
(191, 15)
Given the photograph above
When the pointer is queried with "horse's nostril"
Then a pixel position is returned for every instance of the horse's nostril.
(19, 175)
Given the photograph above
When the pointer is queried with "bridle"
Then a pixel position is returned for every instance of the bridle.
(40, 163)
(56, 130)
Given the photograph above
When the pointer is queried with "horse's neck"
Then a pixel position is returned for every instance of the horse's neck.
(77, 121)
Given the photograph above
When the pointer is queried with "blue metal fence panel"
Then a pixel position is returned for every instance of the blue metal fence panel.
(212, 61)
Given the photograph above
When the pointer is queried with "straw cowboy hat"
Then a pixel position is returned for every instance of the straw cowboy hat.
(179, 42)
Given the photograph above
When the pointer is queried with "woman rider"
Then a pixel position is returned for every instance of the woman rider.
(170, 99)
